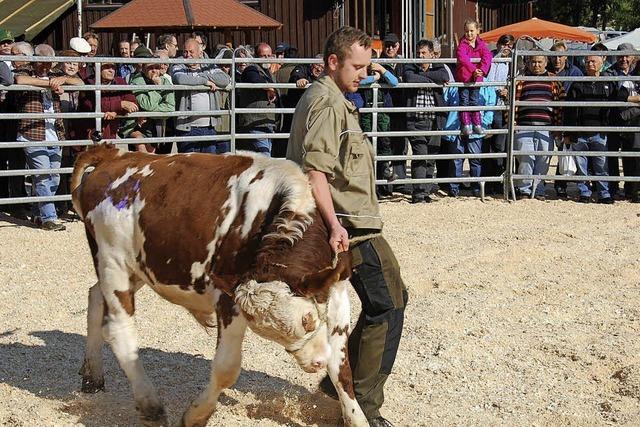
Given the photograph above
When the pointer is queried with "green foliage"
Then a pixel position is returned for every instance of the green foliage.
(619, 14)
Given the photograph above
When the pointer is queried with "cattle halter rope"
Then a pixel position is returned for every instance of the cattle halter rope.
(353, 241)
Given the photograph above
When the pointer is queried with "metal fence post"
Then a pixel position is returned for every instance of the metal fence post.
(232, 105)
(374, 128)
(98, 106)
(508, 187)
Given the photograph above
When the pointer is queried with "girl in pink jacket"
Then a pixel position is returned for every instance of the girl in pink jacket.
(471, 46)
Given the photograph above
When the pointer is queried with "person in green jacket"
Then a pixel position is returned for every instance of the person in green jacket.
(161, 100)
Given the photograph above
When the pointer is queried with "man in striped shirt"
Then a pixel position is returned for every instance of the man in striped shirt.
(539, 115)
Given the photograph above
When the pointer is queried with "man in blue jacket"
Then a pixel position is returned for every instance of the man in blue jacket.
(425, 119)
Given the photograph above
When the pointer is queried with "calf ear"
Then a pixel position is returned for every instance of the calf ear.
(317, 284)
(308, 323)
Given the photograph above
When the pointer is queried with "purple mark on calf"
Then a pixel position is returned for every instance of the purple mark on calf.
(124, 194)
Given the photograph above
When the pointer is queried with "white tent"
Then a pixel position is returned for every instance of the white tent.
(632, 37)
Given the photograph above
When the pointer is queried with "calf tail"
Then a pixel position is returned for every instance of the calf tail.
(92, 157)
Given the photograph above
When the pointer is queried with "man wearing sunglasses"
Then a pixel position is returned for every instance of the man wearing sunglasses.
(6, 41)
(395, 98)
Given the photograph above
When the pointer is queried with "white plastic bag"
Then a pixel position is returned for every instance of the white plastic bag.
(567, 164)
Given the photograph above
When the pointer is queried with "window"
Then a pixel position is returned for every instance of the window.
(252, 3)
(106, 2)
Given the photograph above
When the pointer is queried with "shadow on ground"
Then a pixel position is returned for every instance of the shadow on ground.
(51, 372)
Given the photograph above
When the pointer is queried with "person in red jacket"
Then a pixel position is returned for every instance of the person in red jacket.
(471, 46)
(113, 103)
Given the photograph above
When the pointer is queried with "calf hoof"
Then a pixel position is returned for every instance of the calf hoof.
(154, 417)
(193, 423)
(89, 385)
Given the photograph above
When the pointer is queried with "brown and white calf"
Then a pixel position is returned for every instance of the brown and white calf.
(234, 239)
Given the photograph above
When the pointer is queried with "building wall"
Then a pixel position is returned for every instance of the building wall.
(306, 24)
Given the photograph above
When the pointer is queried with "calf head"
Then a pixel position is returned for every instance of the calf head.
(297, 323)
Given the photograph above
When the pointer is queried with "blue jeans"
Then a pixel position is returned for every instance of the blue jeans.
(465, 146)
(595, 142)
(45, 185)
(212, 147)
(532, 165)
(261, 144)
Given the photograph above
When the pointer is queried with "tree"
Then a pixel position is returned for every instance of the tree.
(619, 14)
(602, 14)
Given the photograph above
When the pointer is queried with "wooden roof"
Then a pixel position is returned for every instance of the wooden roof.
(183, 15)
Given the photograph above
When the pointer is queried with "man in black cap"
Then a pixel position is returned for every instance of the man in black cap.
(395, 98)
(281, 48)
(624, 116)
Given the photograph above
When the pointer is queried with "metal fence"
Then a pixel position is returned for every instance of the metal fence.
(510, 155)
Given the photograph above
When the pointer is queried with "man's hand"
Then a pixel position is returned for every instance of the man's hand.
(272, 95)
(302, 83)
(129, 107)
(477, 73)
(212, 86)
(110, 115)
(378, 68)
(56, 84)
(338, 239)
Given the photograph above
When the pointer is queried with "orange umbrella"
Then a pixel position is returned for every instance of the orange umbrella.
(540, 29)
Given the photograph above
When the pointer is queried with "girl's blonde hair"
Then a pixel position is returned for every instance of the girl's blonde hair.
(473, 21)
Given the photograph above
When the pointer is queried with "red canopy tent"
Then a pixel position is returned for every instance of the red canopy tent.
(185, 15)
(540, 29)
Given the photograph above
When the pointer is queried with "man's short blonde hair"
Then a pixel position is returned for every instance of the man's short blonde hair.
(340, 41)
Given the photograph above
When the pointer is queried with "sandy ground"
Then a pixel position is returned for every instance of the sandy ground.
(520, 313)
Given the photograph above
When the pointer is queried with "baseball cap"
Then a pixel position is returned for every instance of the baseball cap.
(80, 45)
(281, 47)
(599, 47)
(391, 38)
(626, 46)
(6, 35)
(142, 52)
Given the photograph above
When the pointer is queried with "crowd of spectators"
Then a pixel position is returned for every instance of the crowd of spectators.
(214, 81)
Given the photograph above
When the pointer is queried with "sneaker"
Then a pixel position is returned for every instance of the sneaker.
(421, 199)
(606, 201)
(477, 130)
(584, 199)
(561, 192)
(467, 130)
(383, 191)
(379, 422)
(52, 226)
(18, 213)
(407, 191)
(327, 387)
